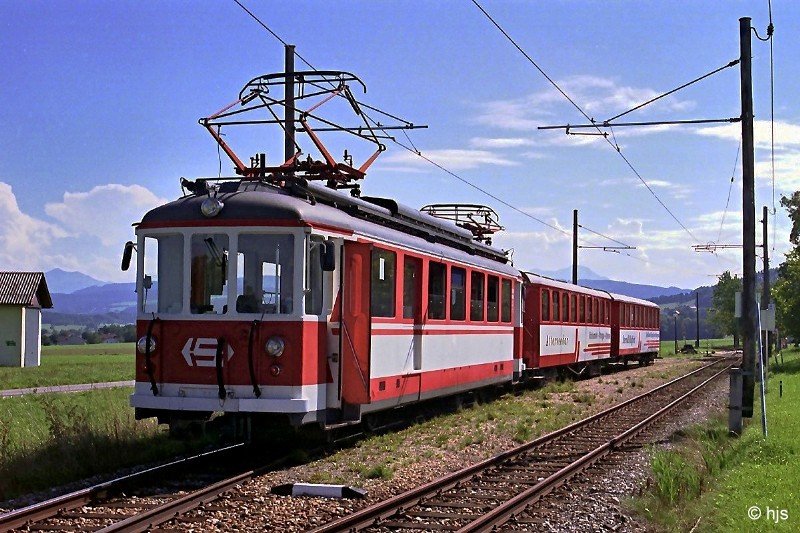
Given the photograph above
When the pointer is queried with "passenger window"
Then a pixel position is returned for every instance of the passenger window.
(564, 307)
(595, 314)
(506, 301)
(574, 308)
(582, 313)
(313, 289)
(493, 299)
(437, 291)
(476, 297)
(556, 306)
(411, 280)
(458, 293)
(545, 305)
(382, 297)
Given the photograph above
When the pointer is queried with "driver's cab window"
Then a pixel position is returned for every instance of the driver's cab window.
(265, 274)
(209, 274)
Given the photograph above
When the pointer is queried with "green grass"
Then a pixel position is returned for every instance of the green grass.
(66, 365)
(715, 479)
(667, 348)
(51, 439)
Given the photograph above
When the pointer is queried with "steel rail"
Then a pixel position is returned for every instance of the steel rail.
(158, 515)
(370, 515)
(66, 502)
(503, 512)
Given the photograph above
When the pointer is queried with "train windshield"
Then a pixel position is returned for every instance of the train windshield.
(162, 279)
(265, 274)
(209, 274)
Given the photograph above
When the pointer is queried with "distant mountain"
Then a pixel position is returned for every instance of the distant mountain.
(67, 282)
(589, 278)
(99, 304)
(565, 274)
(633, 290)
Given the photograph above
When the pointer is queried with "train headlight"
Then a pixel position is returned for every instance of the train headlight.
(141, 345)
(275, 370)
(211, 207)
(275, 346)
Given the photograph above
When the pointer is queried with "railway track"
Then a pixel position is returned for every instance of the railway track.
(496, 492)
(451, 503)
(103, 506)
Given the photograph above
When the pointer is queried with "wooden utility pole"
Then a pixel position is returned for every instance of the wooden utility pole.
(288, 92)
(749, 310)
(574, 246)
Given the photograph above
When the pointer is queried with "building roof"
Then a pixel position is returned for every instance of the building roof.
(24, 288)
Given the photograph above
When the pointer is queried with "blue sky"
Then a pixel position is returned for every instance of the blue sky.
(100, 102)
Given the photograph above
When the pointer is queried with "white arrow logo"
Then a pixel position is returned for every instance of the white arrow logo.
(203, 352)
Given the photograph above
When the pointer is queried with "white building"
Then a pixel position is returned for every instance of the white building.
(22, 297)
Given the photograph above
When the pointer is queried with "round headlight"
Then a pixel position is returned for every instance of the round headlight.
(211, 207)
(141, 345)
(275, 346)
(275, 370)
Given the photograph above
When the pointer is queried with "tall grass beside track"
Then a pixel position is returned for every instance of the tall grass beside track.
(713, 481)
(50, 439)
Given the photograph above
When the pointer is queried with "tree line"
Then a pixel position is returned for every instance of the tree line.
(785, 291)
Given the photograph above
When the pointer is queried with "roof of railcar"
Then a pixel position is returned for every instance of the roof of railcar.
(632, 300)
(549, 282)
(251, 203)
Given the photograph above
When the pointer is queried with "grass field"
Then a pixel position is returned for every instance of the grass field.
(751, 483)
(66, 365)
(51, 439)
(668, 346)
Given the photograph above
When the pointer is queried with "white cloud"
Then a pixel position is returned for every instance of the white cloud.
(787, 150)
(86, 235)
(600, 98)
(105, 212)
(454, 159)
(24, 240)
(502, 142)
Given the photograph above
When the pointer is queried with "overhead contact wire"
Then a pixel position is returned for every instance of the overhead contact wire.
(582, 112)
(416, 151)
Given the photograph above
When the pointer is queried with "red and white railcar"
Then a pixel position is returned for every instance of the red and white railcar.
(635, 328)
(245, 316)
(564, 324)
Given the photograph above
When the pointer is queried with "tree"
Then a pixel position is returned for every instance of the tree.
(723, 306)
(792, 204)
(786, 294)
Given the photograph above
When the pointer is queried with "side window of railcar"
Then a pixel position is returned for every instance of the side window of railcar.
(564, 307)
(545, 305)
(162, 282)
(556, 306)
(506, 301)
(493, 300)
(384, 265)
(595, 312)
(313, 279)
(582, 311)
(265, 269)
(573, 308)
(209, 274)
(476, 297)
(437, 291)
(458, 293)
(412, 275)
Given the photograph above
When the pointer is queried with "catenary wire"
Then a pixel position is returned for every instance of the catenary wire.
(730, 188)
(582, 112)
(417, 152)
